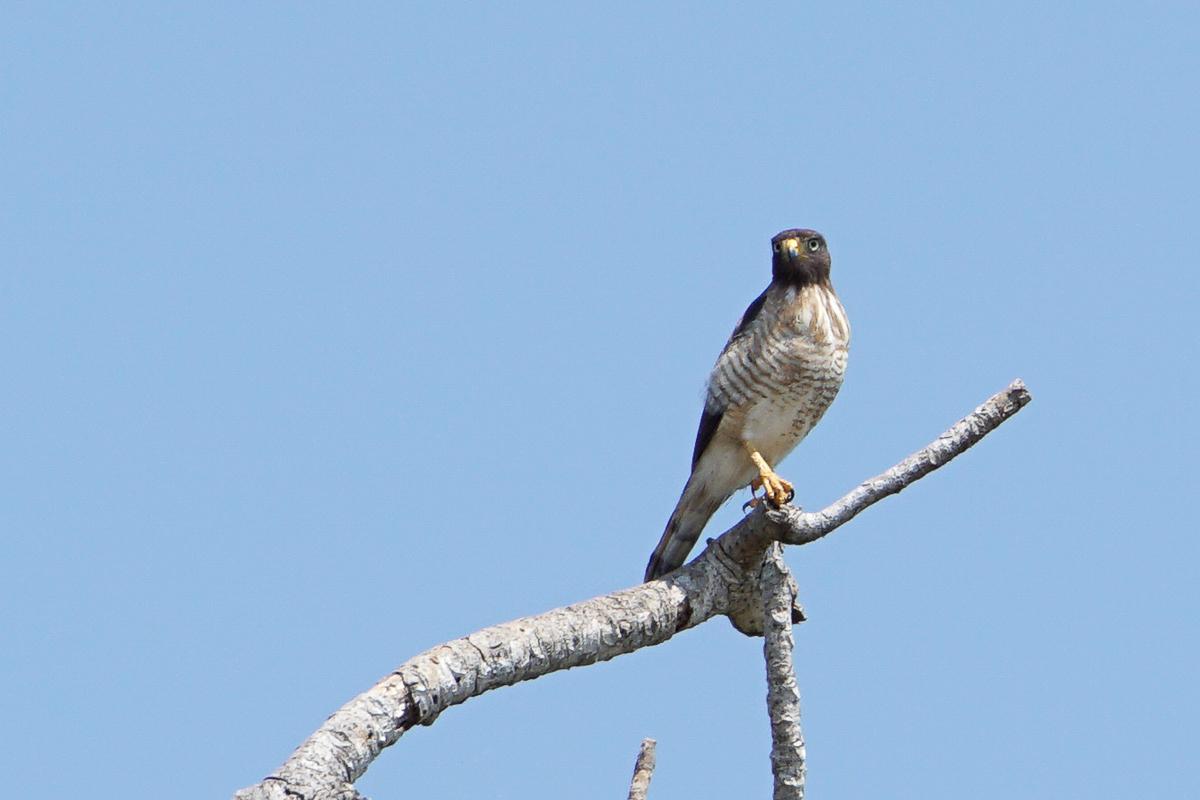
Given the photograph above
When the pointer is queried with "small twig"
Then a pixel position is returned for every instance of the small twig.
(642, 770)
(783, 696)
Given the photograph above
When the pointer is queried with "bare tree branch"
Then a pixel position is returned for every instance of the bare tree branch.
(722, 580)
(803, 528)
(783, 696)
(741, 548)
(642, 770)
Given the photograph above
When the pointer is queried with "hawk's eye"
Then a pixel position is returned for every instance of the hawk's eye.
(776, 246)
(814, 245)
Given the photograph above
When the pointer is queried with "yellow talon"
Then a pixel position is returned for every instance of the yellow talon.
(775, 488)
(778, 490)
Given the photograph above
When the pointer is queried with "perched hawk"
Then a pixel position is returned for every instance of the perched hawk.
(778, 373)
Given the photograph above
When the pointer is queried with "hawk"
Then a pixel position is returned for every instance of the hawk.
(777, 375)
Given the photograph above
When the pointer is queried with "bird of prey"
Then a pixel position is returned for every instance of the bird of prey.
(777, 375)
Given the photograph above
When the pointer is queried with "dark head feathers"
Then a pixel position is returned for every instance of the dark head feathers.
(799, 257)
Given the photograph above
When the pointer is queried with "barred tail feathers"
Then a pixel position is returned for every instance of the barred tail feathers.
(696, 507)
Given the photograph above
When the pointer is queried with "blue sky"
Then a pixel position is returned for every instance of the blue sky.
(334, 332)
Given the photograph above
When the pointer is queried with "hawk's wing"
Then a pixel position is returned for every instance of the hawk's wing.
(714, 409)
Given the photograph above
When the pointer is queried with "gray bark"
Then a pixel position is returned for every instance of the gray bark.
(642, 770)
(722, 580)
(783, 695)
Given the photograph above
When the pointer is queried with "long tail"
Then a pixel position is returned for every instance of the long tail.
(696, 506)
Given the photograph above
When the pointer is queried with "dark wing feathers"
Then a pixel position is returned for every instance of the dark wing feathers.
(712, 417)
(708, 426)
(752, 312)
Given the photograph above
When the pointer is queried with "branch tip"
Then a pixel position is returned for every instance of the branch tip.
(643, 769)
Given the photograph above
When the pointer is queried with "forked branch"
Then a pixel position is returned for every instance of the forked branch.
(722, 580)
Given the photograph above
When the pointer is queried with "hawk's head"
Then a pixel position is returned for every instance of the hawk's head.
(800, 258)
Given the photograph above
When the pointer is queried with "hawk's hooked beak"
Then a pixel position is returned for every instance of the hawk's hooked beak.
(793, 246)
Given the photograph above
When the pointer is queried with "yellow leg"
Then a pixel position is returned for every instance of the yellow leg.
(775, 488)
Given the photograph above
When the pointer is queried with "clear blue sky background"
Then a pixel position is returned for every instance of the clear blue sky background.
(334, 331)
